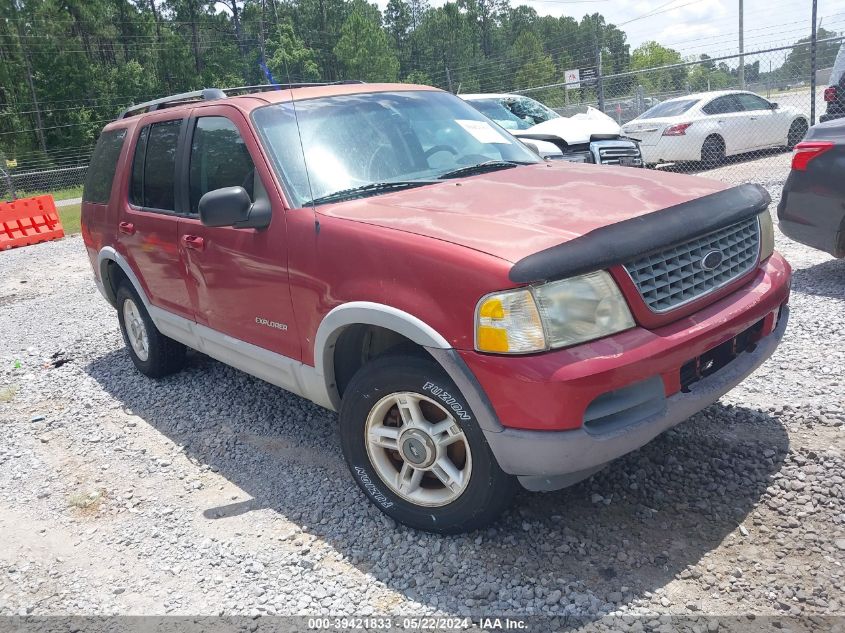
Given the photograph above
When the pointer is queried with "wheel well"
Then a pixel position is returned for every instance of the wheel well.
(717, 137)
(358, 344)
(801, 120)
(113, 275)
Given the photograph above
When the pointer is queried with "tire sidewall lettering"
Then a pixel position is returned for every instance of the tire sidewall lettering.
(451, 403)
(367, 484)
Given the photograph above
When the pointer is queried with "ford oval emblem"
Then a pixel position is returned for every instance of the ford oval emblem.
(711, 260)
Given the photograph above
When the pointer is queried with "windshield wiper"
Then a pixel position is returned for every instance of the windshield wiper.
(480, 168)
(369, 189)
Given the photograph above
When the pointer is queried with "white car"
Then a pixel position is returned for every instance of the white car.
(590, 137)
(709, 126)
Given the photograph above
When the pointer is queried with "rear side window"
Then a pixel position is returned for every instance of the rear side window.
(668, 108)
(154, 166)
(723, 105)
(98, 181)
(219, 158)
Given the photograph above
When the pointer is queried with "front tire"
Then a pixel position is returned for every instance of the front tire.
(414, 448)
(152, 353)
(797, 131)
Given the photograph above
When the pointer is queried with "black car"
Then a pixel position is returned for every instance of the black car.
(834, 94)
(812, 207)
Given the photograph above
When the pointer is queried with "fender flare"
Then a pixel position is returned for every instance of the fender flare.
(108, 254)
(412, 328)
(366, 313)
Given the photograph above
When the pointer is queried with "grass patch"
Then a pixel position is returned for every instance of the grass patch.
(58, 194)
(8, 393)
(87, 502)
(70, 217)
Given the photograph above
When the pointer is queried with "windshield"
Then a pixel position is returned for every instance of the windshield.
(530, 111)
(495, 109)
(668, 108)
(360, 140)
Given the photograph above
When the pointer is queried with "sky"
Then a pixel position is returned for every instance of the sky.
(700, 26)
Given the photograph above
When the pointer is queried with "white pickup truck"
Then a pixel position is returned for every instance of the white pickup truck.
(589, 137)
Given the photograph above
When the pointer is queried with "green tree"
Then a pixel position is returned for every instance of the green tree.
(288, 58)
(397, 23)
(797, 64)
(363, 50)
(418, 77)
(703, 77)
(650, 58)
(535, 68)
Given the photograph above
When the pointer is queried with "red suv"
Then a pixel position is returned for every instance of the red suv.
(479, 317)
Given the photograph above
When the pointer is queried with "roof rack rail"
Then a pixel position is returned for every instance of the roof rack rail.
(210, 94)
(207, 94)
(286, 86)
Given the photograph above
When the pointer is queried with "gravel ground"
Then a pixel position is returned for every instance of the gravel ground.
(211, 492)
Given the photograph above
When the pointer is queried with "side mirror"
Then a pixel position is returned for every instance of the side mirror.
(775, 106)
(231, 206)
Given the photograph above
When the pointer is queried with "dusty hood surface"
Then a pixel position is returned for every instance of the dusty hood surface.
(516, 212)
(575, 129)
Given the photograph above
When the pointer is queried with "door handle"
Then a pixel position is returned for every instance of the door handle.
(194, 242)
(126, 227)
(753, 118)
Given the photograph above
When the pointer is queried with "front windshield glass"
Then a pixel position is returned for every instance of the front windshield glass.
(355, 141)
(668, 108)
(495, 109)
(530, 111)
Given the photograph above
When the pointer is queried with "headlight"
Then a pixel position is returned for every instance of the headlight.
(767, 235)
(508, 323)
(553, 315)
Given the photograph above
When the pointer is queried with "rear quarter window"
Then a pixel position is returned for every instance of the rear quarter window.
(98, 181)
(668, 108)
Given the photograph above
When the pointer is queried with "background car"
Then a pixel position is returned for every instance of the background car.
(834, 94)
(587, 137)
(709, 126)
(812, 206)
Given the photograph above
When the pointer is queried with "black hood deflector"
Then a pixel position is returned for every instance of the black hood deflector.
(627, 240)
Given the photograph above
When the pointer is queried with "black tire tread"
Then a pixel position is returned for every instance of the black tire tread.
(166, 355)
(489, 501)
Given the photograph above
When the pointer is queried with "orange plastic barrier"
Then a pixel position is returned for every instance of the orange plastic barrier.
(28, 221)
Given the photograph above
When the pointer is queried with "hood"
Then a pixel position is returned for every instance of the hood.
(517, 212)
(575, 129)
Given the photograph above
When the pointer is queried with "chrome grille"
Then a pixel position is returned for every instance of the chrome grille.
(611, 155)
(670, 278)
(610, 152)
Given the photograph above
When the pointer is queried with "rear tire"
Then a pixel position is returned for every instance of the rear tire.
(713, 151)
(797, 131)
(152, 353)
(414, 447)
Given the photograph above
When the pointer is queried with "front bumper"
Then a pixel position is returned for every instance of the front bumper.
(546, 460)
(671, 149)
(551, 418)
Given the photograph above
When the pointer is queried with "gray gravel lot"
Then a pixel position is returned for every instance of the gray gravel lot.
(211, 492)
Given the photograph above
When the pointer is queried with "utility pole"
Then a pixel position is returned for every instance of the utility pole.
(599, 82)
(741, 51)
(813, 45)
(449, 79)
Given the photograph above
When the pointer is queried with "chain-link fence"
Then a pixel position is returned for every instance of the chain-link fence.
(732, 118)
(706, 116)
(60, 173)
